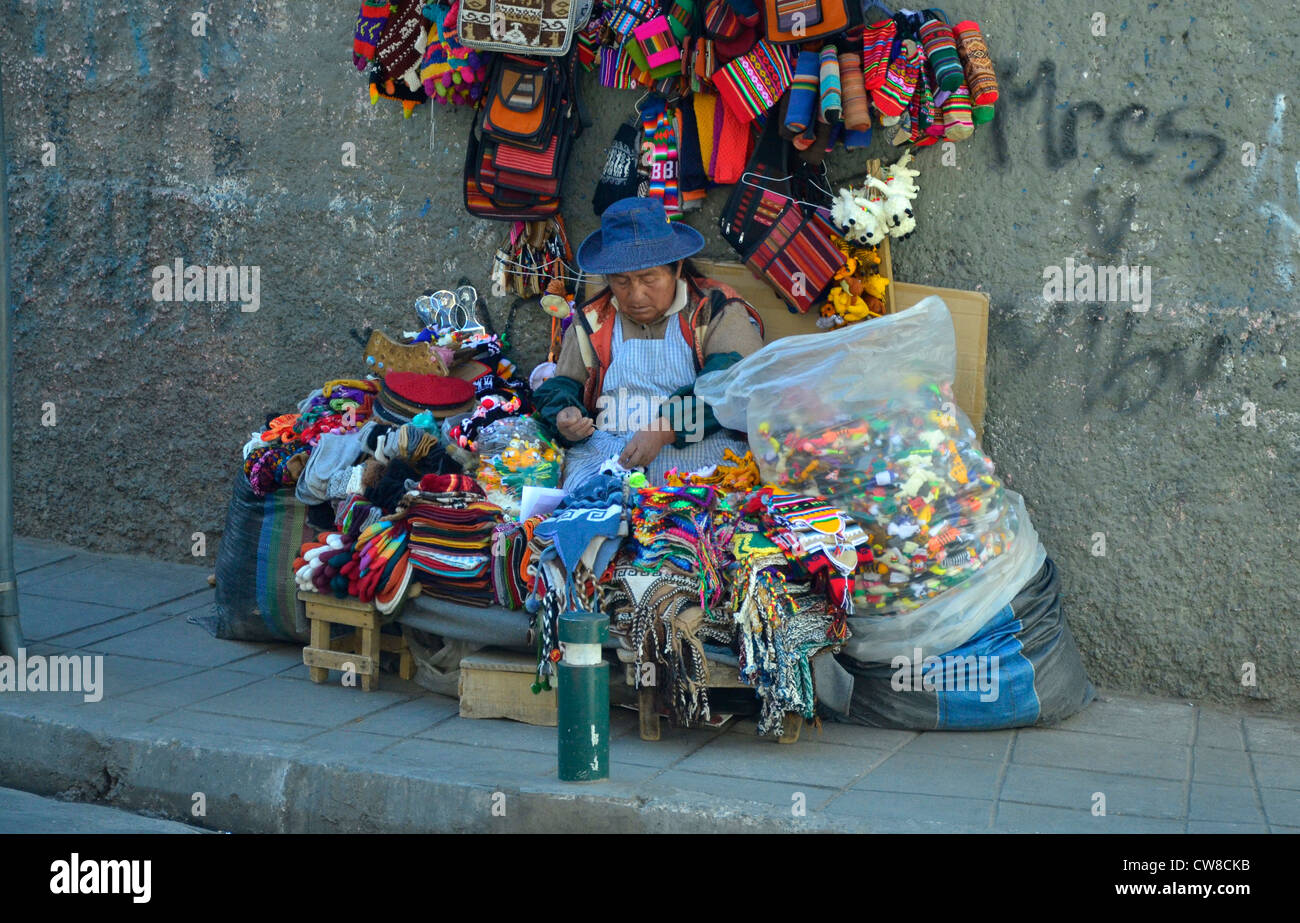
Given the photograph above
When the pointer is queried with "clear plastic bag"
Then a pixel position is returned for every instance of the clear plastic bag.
(864, 416)
(514, 453)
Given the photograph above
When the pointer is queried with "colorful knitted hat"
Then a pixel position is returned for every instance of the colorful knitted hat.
(427, 392)
(370, 25)
(402, 43)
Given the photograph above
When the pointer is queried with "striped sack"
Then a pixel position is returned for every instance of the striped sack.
(798, 257)
(751, 84)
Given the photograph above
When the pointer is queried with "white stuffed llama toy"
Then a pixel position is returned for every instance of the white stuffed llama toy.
(898, 190)
(861, 220)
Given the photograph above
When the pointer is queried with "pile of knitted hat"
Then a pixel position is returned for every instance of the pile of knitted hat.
(406, 394)
(277, 456)
(828, 545)
(782, 625)
(675, 525)
(409, 52)
(511, 582)
(372, 566)
(450, 527)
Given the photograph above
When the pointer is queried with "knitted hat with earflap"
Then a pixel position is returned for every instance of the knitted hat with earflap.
(370, 26)
(618, 179)
(401, 45)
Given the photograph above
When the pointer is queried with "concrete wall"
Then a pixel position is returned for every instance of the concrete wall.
(1175, 433)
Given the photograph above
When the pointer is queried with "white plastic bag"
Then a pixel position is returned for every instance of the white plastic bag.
(864, 416)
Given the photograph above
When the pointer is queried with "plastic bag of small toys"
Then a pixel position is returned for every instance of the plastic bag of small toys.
(514, 453)
(865, 417)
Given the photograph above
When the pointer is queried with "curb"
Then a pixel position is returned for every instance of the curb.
(257, 788)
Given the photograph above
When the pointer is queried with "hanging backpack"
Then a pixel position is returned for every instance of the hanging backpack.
(522, 137)
(790, 22)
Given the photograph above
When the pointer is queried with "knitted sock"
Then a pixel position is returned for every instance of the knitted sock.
(650, 113)
(818, 138)
(894, 95)
(618, 179)
(941, 51)
(705, 106)
(877, 40)
(917, 111)
(856, 115)
(691, 178)
(836, 132)
(831, 101)
(370, 25)
(974, 54)
(732, 148)
(932, 113)
(803, 91)
(958, 123)
(982, 114)
(807, 139)
(754, 83)
(666, 141)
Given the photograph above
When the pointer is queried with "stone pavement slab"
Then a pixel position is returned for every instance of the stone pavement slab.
(149, 582)
(44, 618)
(1101, 753)
(1221, 766)
(184, 712)
(1273, 735)
(21, 812)
(1034, 818)
(176, 640)
(30, 554)
(1078, 790)
(899, 812)
(924, 774)
(1224, 803)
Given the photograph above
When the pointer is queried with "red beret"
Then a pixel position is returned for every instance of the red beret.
(432, 392)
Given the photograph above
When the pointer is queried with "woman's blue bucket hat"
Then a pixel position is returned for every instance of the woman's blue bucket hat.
(635, 234)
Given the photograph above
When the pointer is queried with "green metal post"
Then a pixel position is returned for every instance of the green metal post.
(583, 698)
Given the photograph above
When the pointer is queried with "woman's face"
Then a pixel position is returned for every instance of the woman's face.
(647, 294)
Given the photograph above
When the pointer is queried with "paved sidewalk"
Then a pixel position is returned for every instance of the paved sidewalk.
(240, 724)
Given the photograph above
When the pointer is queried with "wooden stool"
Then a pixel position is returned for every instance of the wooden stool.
(361, 649)
(720, 677)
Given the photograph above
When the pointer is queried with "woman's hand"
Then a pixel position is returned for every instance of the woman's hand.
(573, 424)
(644, 447)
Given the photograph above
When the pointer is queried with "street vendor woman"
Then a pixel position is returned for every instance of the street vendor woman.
(625, 378)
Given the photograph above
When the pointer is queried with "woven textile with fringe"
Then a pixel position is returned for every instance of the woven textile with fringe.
(667, 592)
(782, 626)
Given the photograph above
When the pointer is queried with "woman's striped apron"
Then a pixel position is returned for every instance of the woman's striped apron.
(641, 375)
